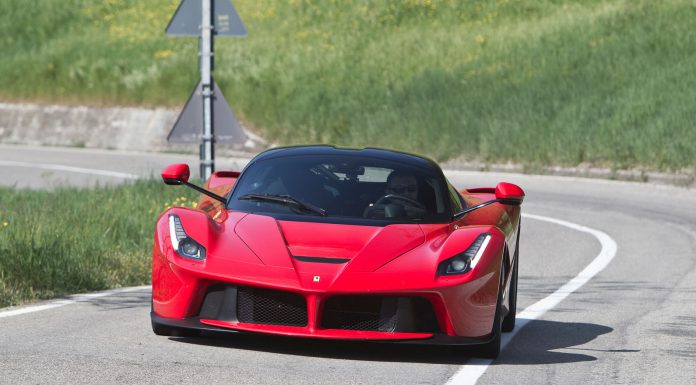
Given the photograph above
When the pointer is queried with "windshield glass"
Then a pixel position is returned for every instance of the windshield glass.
(346, 189)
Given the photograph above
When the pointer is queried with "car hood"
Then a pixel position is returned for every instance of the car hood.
(325, 250)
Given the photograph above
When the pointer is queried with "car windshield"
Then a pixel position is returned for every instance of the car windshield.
(341, 189)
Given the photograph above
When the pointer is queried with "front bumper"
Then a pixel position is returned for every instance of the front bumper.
(392, 316)
(196, 323)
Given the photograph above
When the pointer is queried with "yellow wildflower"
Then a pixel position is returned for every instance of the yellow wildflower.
(163, 54)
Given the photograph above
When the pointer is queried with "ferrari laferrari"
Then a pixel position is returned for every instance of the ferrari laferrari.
(343, 244)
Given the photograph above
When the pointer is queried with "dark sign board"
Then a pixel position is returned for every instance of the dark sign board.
(187, 19)
(189, 126)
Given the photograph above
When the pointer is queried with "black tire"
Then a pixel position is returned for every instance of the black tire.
(491, 349)
(162, 330)
(509, 320)
(169, 331)
(165, 330)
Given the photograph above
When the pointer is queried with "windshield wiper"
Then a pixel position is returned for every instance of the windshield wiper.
(286, 200)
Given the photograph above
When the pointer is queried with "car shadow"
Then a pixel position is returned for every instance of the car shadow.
(539, 342)
(533, 345)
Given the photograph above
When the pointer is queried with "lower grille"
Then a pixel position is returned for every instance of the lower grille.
(379, 313)
(407, 314)
(273, 307)
(360, 313)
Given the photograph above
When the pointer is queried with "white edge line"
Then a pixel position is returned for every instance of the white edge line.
(69, 300)
(79, 170)
(469, 373)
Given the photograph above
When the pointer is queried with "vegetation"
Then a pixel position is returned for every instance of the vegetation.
(601, 82)
(76, 240)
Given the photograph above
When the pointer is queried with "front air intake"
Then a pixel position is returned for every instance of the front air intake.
(379, 313)
(271, 307)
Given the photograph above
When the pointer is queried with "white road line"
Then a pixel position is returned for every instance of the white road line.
(70, 300)
(58, 167)
(474, 368)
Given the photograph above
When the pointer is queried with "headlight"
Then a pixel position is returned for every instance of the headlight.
(466, 260)
(182, 243)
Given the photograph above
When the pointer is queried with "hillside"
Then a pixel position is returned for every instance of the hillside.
(609, 83)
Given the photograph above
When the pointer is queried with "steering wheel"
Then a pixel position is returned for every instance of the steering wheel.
(402, 198)
(380, 205)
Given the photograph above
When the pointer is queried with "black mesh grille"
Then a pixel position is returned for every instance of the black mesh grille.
(360, 313)
(274, 307)
(379, 313)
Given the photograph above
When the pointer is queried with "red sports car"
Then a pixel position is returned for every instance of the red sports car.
(325, 242)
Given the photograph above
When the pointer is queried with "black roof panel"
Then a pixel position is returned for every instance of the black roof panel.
(394, 156)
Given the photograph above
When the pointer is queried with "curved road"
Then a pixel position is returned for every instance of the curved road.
(632, 323)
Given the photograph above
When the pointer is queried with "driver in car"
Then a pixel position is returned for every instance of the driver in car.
(400, 199)
(402, 184)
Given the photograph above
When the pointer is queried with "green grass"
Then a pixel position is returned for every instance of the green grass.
(76, 240)
(608, 83)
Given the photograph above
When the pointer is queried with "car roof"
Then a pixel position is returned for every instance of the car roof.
(379, 153)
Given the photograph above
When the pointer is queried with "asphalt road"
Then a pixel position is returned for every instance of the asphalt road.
(632, 323)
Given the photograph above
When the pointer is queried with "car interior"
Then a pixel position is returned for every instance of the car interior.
(349, 190)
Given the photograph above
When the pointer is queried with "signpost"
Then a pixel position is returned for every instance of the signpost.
(206, 107)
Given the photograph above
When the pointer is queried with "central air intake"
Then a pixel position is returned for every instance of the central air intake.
(379, 313)
(272, 307)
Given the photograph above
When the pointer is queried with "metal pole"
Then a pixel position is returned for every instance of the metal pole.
(206, 53)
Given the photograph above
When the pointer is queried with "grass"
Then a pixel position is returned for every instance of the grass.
(608, 83)
(76, 240)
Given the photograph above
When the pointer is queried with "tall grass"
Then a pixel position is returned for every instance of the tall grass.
(75, 240)
(608, 83)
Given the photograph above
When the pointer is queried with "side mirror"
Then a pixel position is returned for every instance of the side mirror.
(176, 174)
(179, 174)
(509, 194)
(505, 193)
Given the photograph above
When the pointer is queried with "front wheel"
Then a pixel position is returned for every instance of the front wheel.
(170, 331)
(166, 330)
(509, 320)
(162, 330)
